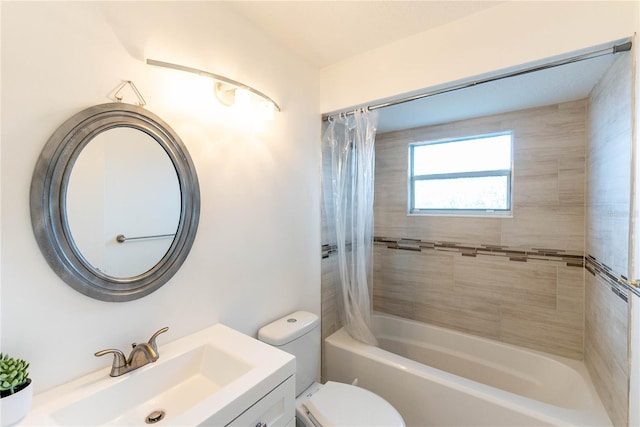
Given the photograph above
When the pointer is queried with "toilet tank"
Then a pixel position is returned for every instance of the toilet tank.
(297, 334)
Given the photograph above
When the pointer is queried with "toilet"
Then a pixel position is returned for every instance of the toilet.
(333, 403)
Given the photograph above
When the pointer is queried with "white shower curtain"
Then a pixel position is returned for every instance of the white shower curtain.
(348, 177)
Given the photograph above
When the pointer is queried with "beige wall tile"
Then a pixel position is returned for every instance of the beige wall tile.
(572, 180)
(609, 167)
(536, 184)
(466, 314)
(548, 330)
(530, 304)
(509, 282)
(606, 351)
(329, 322)
(549, 152)
(534, 304)
(570, 290)
(549, 227)
(607, 238)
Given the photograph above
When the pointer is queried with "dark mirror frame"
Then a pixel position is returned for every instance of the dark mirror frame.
(48, 207)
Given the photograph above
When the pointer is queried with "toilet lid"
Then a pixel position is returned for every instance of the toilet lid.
(338, 404)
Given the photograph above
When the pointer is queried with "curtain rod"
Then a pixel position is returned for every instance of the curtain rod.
(624, 47)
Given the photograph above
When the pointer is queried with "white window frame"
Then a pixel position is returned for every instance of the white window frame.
(508, 212)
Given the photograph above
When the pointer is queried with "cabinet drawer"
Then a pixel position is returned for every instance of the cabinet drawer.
(276, 409)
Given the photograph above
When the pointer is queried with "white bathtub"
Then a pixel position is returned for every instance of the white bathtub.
(439, 377)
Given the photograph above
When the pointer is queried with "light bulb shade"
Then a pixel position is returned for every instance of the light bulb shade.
(225, 93)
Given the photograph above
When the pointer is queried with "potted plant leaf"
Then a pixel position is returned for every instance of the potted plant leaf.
(16, 390)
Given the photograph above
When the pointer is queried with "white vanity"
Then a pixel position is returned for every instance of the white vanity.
(214, 377)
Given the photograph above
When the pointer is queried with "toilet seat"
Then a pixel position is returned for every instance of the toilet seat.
(338, 404)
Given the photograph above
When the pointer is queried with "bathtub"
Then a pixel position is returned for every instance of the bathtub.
(440, 377)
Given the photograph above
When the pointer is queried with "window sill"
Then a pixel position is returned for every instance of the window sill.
(464, 214)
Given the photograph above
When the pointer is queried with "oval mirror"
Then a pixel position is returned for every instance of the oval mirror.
(115, 202)
(123, 202)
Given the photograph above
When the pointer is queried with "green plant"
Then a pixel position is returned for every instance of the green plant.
(13, 375)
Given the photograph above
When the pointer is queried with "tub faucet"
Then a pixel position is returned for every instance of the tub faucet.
(141, 354)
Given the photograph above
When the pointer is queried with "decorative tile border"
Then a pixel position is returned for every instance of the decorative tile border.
(619, 284)
(328, 250)
(569, 258)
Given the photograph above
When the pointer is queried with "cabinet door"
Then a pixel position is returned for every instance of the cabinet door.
(276, 409)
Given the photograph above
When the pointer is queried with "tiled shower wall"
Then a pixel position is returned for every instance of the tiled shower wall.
(607, 243)
(330, 321)
(518, 280)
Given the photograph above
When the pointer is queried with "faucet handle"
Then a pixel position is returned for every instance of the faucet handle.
(119, 359)
(152, 340)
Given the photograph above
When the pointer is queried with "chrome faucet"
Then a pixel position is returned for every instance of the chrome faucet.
(140, 355)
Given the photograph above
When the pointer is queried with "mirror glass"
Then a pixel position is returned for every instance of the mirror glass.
(123, 184)
(115, 202)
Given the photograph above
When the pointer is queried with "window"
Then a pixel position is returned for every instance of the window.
(466, 176)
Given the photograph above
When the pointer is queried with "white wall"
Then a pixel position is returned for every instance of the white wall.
(257, 252)
(498, 38)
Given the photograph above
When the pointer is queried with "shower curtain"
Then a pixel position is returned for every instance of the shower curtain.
(348, 177)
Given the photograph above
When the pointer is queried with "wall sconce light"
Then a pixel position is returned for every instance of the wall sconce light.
(229, 92)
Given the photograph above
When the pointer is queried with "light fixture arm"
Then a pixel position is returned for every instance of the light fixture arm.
(213, 76)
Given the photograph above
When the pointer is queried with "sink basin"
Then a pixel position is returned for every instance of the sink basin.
(174, 386)
(210, 376)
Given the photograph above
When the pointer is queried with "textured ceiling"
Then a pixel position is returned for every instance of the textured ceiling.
(326, 32)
